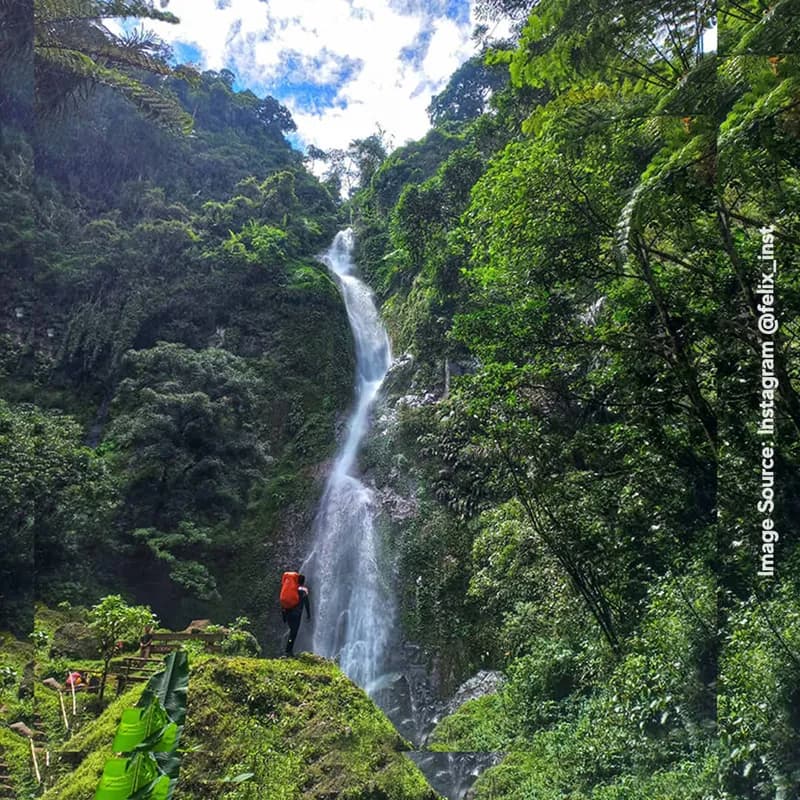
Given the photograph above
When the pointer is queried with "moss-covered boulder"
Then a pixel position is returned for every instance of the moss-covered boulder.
(299, 727)
(74, 640)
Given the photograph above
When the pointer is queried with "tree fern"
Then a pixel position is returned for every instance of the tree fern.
(775, 33)
(74, 52)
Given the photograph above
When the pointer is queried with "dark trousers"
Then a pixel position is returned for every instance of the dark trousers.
(292, 619)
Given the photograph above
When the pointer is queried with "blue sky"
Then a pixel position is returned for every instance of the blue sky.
(343, 67)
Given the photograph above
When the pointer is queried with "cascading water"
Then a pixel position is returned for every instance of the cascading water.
(352, 596)
(354, 608)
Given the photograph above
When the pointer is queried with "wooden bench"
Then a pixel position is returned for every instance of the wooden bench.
(167, 642)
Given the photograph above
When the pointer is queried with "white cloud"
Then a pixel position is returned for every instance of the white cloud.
(447, 49)
(274, 46)
(709, 39)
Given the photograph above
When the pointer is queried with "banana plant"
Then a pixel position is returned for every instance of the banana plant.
(147, 738)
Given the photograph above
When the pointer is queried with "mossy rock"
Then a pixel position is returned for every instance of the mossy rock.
(480, 724)
(74, 640)
(300, 726)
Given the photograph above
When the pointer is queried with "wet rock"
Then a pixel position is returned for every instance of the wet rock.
(482, 683)
(397, 506)
(416, 400)
(453, 774)
(399, 376)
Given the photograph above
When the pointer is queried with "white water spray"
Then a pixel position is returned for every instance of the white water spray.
(354, 609)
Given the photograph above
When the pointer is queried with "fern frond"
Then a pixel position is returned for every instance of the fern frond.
(699, 149)
(776, 33)
(74, 51)
(54, 11)
(752, 111)
(129, 53)
(154, 105)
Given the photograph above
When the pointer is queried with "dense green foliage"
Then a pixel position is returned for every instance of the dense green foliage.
(571, 255)
(168, 343)
(575, 274)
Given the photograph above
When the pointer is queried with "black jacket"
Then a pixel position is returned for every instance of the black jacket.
(298, 609)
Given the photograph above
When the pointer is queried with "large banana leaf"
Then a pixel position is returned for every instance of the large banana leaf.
(169, 687)
(150, 732)
(160, 789)
(124, 777)
(145, 729)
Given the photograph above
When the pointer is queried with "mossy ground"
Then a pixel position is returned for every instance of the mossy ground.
(14, 749)
(15, 752)
(42, 712)
(478, 725)
(94, 741)
(300, 726)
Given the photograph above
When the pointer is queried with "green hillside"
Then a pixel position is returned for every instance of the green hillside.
(268, 728)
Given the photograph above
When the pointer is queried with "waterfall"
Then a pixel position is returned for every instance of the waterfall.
(351, 593)
(353, 605)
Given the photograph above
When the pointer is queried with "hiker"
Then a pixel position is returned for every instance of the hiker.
(74, 679)
(294, 597)
(146, 642)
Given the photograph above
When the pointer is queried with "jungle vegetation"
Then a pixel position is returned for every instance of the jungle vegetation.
(574, 264)
(172, 357)
(571, 254)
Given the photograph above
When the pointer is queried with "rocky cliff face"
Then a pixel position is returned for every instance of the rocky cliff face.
(392, 469)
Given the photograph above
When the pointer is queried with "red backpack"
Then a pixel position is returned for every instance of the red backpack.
(290, 594)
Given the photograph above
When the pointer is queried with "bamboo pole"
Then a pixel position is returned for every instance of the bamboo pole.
(35, 762)
(63, 710)
(74, 707)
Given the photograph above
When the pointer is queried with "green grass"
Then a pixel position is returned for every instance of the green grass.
(15, 751)
(477, 725)
(299, 725)
(94, 739)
